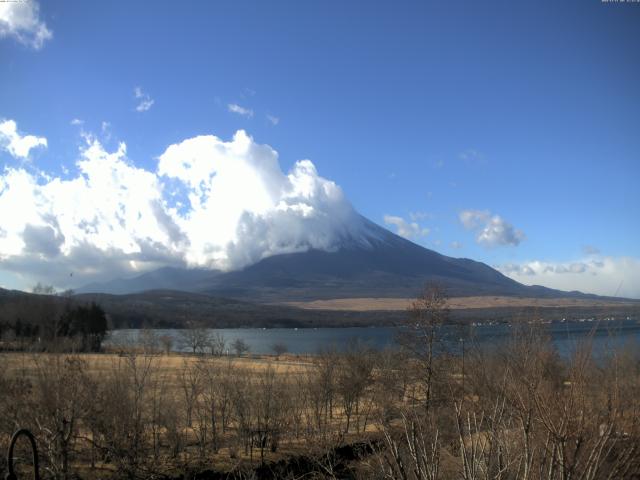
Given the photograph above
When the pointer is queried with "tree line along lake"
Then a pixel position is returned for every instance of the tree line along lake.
(605, 335)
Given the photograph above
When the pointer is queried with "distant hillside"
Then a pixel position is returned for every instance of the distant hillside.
(165, 278)
(176, 309)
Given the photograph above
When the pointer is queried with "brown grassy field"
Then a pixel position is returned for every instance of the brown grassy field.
(174, 378)
(170, 365)
(136, 415)
(455, 303)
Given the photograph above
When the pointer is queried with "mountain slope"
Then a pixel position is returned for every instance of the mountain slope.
(165, 278)
(377, 263)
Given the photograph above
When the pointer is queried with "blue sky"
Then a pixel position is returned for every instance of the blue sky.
(506, 132)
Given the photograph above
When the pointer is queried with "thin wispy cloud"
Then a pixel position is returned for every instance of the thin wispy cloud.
(247, 92)
(145, 102)
(472, 157)
(590, 250)
(491, 230)
(273, 119)
(21, 20)
(105, 128)
(419, 216)
(235, 108)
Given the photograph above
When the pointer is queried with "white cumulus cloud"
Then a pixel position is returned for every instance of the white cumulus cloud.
(15, 143)
(209, 203)
(110, 214)
(145, 102)
(245, 112)
(491, 230)
(601, 275)
(241, 207)
(404, 228)
(21, 20)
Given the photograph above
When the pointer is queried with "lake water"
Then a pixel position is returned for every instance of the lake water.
(565, 335)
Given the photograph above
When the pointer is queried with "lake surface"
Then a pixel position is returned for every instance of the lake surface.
(612, 334)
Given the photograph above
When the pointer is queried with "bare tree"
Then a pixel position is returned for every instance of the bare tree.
(420, 335)
(120, 414)
(149, 340)
(159, 401)
(279, 348)
(216, 344)
(413, 453)
(212, 398)
(61, 399)
(271, 409)
(167, 343)
(241, 389)
(42, 289)
(391, 383)
(194, 339)
(240, 347)
(354, 375)
(227, 373)
(190, 381)
(323, 387)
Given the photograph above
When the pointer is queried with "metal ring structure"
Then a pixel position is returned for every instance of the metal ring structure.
(12, 475)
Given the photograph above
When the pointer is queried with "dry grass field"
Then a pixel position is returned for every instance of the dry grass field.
(515, 409)
(454, 303)
(181, 398)
(169, 365)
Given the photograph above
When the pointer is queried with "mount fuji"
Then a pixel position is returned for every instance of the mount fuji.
(368, 261)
